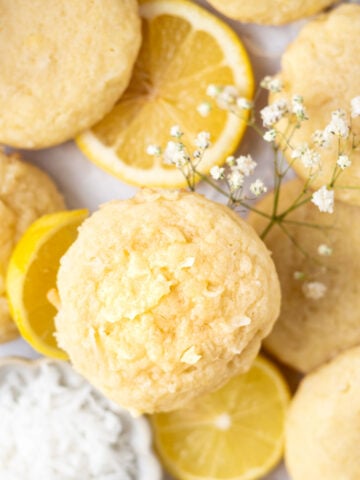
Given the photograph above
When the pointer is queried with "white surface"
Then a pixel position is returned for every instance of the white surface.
(84, 185)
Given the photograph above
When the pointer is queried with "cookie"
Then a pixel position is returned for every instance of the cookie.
(63, 66)
(26, 193)
(322, 431)
(322, 65)
(164, 297)
(268, 12)
(319, 315)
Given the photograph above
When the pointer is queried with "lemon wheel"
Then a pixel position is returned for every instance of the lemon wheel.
(235, 433)
(184, 49)
(32, 274)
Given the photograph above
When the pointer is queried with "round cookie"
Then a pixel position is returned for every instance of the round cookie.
(269, 12)
(63, 66)
(26, 193)
(312, 330)
(322, 65)
(323, 426)
(164, 297)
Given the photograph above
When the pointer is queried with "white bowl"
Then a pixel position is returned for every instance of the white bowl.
(139, 432)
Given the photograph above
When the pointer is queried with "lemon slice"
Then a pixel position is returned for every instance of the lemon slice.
(184, 50)
(235, 433)
(32, 273)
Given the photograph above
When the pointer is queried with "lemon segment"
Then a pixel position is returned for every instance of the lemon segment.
(184, 49)
(235, 433)
(32, 274)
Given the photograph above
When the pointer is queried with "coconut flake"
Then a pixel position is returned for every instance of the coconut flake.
(55, 426)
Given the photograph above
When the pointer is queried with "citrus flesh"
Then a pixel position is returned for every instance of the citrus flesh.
(184, 49)
(235, 433)
(32, 274)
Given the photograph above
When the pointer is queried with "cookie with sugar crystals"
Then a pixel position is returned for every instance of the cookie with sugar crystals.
(26, 193)
(322, 65)
(269, 12)
(164, 297)
(322, 431)
(63, 66)
(319, 316)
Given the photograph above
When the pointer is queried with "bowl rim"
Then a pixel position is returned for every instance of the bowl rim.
(140, 435)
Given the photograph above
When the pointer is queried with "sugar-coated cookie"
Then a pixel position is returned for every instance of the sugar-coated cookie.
(63, 66)
(164, 297)
(26, 193)
(322, 65)
(320, 295)
(323, 426)
(269, 12)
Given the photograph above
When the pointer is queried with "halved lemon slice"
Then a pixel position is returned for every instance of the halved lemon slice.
(185, 49)
(32, 274)
(235, 433)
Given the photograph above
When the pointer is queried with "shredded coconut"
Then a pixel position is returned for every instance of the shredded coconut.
(55, 426)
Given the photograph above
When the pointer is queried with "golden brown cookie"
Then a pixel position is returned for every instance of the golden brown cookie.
(320, 295)
(269, 12)
(322, 65)
(164, 297)
(323, 431)
(26, 193)
(63, 66)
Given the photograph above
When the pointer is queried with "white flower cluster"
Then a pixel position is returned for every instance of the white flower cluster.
(279, 109)
(314, 290)
(176, 152)
(227, 98)
(324, 250)
(309, 157)
(235, 172)
(274, 112)
(338, 127)
(273, 84)
(324, 199)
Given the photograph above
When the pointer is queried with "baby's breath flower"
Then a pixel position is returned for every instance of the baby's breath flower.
(246, 165)
(298, 108)
(272, 84)
(338, 125)
(230, 160)
(153, 150)
(176, 154)
(321, 138)
(274, 112)
(217, 173)
(204, 109)
(258, 187)
(324, 199)
(355, 107)
(314, 290)
(235, 179)
(227, 97)
(175, 131)
(298, 275)
(203, 140)
(244, 103)
(270, 135)
(324, 250)
(343, 162)
(213, 91)
(197, 154)
(309, 157)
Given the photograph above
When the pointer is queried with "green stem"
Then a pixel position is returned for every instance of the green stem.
(267, 229)
(309, 225)
(298, 246)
